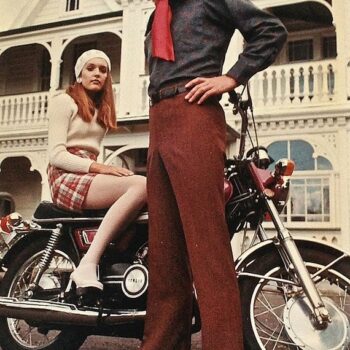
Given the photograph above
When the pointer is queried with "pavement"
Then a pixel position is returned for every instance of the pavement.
(108, 343)
(104, 343)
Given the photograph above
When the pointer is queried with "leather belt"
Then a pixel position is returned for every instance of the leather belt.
(167, 92)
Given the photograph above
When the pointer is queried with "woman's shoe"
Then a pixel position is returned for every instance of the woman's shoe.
(85, 278)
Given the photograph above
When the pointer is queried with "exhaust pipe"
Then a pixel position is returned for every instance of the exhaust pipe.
(50, 312)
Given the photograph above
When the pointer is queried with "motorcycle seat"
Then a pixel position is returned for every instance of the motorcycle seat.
(47, 211)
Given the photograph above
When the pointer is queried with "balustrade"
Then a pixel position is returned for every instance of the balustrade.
(26, 111)
(22, 111)
(299, 84)
(284, 86)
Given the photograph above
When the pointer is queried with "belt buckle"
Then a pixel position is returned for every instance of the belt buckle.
(168, 92)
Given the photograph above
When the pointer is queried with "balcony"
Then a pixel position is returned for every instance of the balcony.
(23, 111)
(28, 111)
(282, 87)
(296, 85)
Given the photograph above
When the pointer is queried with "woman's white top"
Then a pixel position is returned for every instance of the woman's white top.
(68, 129)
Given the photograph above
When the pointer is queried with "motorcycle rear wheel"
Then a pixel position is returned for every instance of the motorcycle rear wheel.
(17, 334)
(264, 302)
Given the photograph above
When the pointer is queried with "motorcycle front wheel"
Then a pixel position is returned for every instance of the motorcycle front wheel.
(270, 319)
(16, 334)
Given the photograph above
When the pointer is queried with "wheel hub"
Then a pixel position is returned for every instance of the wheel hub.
(301, 329)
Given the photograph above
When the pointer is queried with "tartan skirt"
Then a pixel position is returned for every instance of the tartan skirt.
(68, 190)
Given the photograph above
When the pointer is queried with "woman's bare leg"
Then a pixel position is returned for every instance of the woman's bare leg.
(125, 195)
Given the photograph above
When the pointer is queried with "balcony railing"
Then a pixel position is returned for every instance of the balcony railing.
(286, 86)
(21, 111)
(28, 111)
(299, 84)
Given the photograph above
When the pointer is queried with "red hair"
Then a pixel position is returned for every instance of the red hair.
(103, 101)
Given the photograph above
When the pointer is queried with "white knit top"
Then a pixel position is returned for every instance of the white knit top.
(68, 129)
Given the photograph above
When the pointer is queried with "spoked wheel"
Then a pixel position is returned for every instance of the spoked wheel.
(16, 334)
(276, 313)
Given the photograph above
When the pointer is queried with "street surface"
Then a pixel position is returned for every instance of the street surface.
(104, 343)
(107, 343)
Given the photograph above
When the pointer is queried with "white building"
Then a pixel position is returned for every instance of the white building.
(302, 105)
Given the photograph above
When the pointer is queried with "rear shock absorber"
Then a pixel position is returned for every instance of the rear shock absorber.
(45, 260)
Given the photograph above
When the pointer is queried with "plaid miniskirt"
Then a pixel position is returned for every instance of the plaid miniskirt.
(68, 190)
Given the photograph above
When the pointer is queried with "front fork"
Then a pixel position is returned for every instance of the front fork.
(293, 260)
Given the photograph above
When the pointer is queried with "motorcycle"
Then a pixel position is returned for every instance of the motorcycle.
(293, 291)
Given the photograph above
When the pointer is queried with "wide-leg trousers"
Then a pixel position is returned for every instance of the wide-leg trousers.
(189, 241)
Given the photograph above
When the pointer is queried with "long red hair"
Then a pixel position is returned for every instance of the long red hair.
(103, 101)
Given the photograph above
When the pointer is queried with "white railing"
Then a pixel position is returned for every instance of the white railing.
(299, 84)
(21, 111)
(29, 111)
(285, 86)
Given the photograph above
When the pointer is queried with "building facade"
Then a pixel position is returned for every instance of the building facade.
(301, 103)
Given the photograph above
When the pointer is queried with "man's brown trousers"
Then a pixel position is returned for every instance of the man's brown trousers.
(189, 241)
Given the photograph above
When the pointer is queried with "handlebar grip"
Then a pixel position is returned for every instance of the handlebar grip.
(234, 98)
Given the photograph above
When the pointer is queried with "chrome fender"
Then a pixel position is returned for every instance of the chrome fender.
(7, 241)
(16, 240)
(252, 254)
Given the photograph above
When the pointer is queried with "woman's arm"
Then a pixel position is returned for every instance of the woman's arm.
(109, 169)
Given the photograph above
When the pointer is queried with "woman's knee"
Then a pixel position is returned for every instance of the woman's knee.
(140, 186)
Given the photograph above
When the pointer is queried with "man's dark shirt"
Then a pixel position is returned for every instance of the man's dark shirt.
(202, 30)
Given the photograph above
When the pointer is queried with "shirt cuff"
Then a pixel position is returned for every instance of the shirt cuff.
(241, 72)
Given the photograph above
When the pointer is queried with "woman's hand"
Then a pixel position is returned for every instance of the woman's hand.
(203, 88)
(109, 169)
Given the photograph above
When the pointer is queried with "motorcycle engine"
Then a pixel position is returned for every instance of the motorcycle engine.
(125, 281)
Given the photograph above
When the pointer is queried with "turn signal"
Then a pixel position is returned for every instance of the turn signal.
(8, 222)
(284, 167)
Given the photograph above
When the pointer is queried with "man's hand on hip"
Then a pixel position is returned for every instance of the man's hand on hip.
(202, 88)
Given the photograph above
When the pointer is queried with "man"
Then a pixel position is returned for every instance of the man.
(189, 242)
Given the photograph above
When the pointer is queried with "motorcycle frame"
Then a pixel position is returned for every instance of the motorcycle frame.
(283, 242)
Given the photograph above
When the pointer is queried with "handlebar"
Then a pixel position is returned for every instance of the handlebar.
(241, 107)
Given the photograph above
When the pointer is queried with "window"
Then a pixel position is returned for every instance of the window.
(72, 5)
(311, 183)
(310, 200)
(300, 50)
(329, 47)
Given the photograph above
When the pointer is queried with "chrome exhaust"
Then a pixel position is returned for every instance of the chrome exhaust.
(39, 311)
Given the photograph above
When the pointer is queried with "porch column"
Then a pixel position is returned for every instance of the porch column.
(234, 49)
(55, 74)
(132, 59)
(39, 163)
(340, 11)
(56, 53)
(343, 194)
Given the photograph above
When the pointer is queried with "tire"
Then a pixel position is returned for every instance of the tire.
(263, 301)
(19, 335)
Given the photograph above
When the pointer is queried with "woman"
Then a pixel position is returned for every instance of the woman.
(78, 121)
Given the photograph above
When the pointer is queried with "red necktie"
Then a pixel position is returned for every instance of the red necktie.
(162, 42)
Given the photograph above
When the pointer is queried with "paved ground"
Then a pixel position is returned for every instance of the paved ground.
(104, 343)
(107, 343)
